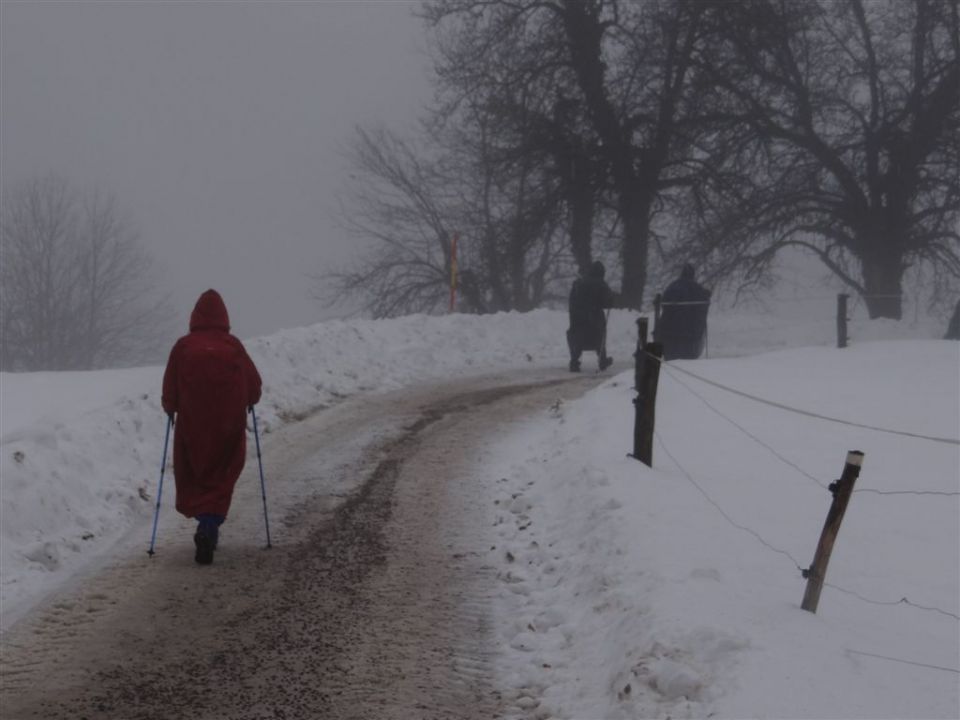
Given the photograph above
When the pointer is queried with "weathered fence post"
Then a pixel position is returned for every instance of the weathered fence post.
(639, 358)
(842, 320)
(647, 403)
(841, 490)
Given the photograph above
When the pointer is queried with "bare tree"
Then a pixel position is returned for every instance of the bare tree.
(36, 284)
(632, 63)
(409, 199)
(621, 72)
(400, 206)
(505, 66)
(492, 123)
(75, 287)
(481, 169)
(844, 140)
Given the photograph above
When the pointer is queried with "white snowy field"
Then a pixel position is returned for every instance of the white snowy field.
(675, 591)
(627, 591)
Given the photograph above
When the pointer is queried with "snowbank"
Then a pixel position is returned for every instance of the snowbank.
(80, 452)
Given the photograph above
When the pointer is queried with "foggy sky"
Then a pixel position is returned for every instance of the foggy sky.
(217, 126)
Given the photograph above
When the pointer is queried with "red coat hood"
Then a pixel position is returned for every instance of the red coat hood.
(210, 313)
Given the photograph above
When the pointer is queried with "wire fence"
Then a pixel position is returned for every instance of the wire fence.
(674, 372)
(796, 563)
(943, 493)
(808, 413)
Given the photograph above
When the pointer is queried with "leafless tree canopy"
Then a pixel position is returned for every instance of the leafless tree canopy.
(705, 130)
(411, 203)
(841, 135)
(614, 78)
(398, 203)
(75, 286)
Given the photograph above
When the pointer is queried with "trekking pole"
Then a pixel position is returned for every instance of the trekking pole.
(163, 466)
(263, 487)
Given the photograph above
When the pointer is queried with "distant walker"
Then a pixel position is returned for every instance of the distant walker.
(682, 326)
(589, 296)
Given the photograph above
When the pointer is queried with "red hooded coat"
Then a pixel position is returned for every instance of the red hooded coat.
(210, 381)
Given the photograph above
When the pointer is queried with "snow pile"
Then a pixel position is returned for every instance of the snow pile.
(309, 368)
(675, 591)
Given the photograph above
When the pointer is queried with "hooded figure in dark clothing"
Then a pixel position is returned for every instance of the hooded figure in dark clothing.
(209, 384)
(589, 296)
(682, 326)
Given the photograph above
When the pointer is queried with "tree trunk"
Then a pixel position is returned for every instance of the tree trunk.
(584, 33)
(635, 213)
(581, 201)
(882, 282)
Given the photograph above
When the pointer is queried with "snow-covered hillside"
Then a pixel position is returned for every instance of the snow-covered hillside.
(675, 591)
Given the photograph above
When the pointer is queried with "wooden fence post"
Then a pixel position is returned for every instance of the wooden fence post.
(647, 403)
(842, 319)
(639, 358)
(841, 490)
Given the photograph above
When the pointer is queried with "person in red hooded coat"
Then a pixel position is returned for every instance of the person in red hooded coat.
(209, 384)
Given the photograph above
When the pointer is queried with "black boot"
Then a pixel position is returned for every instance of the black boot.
(205, 545)
(206, 540)
(574, 366)
(605, 362)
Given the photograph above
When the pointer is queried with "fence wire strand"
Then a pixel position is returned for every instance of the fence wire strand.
(742, 429)
(944, 493)
(787, 461)
(902, 601)
(788, 408)
(905, 662)
(713, 502)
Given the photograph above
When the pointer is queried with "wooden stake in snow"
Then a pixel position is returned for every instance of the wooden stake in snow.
(640, 358)
(841, 489)
(647, 403)
(842, 320)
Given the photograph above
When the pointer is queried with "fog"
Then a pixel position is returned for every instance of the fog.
(218, 127)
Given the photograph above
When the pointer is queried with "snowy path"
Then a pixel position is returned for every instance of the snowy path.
(373, 603)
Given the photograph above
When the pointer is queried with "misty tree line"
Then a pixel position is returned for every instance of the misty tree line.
(76, 288)
(651, 133)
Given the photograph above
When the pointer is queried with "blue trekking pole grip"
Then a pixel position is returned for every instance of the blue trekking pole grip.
(163, 466)
(263, 487)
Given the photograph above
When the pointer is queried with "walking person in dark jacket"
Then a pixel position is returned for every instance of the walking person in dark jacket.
(682, 325)
(589, 296)
(209, 384)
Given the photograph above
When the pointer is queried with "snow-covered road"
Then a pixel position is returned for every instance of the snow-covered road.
(374, 601)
